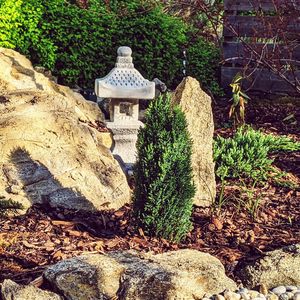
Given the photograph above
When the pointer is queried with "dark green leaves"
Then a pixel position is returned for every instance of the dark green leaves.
(246, 154)
(163, 173)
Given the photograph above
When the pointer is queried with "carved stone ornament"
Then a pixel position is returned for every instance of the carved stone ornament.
(124, 81)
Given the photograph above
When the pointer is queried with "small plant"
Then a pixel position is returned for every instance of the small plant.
(250, 200)
(163, 173)
(221, 199)
(239, 99)
(246, 154)
(203, 63)
(8, 206)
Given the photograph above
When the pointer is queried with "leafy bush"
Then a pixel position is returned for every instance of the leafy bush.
(203, 64)
(157, 41)
(20, 29)
(79, 45)
(83, 38)
(163, 174)
(246, 154)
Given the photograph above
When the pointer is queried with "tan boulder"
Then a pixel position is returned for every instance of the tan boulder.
(184, 274)
(196, 105)
(275, 268)
(49, 151)
(13, 291)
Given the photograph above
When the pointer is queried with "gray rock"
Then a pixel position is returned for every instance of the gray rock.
(296, 296)
(253, 294)
(279, 267)
(231, 295)
(196, 105)
(279, 290)
(290, 295)
(244, 295)
(183, 274)
(242, 290)
(160, 87)
(284, 296)
(13, 291)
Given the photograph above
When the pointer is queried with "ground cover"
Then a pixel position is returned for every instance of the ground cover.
(30, 243)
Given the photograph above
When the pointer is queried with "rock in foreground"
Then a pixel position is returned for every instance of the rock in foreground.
(13, 291)
(196, 105)
(276, 268)
(183, 274)
(49, 153)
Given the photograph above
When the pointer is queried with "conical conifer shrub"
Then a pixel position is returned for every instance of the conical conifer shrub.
(163, 173)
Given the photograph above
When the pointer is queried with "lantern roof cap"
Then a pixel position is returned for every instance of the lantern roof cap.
(124, 81)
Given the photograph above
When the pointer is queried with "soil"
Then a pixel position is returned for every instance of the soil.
(248, 224)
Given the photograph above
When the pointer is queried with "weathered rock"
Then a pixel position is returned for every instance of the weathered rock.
(49, 153)
(229, 295)
(296, 296)
(183, 274)
(13, 291)
(196, 105)
(276, 268)
(279, 290)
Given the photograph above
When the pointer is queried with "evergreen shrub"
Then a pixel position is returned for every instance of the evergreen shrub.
(21, 28)
(79, 45)
(247, 153)
(163, 173)
(203, 63)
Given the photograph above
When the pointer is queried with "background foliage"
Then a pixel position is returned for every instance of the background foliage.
(78, 43)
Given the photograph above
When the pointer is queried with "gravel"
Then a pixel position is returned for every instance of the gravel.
(282, 292)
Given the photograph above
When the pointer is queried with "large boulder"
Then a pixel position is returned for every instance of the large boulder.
(51, 150)
(196, 105)
(13, 291)
(279, 267)
(183, 274)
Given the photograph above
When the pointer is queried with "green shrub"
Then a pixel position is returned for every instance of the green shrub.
(21, 29)
(203, 63)
(157, 41)
(84, 41)
(79, 45)
(163, 174)
(246, 154)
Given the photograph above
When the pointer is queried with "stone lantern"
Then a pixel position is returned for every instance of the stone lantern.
(124, 86)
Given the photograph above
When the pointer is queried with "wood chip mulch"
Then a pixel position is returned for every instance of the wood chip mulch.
(30, 243)
(44, 236)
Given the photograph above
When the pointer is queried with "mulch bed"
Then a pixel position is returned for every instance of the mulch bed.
(44, 236)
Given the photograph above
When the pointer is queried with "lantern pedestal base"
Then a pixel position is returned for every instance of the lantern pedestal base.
(124, 145)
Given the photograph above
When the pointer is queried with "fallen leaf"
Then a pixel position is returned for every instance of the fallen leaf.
(63, 223)
(74, 233)
(217, 223)
(28, 245)
(57, 254)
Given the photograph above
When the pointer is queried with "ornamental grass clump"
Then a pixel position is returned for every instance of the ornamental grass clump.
(163, 173)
